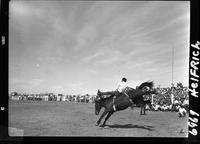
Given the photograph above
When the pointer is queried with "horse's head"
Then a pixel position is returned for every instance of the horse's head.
(97, 104)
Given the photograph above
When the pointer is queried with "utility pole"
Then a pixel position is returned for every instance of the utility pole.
(172, 65)
(172, 88)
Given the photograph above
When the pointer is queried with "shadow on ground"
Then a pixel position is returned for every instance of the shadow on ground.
(150, 128)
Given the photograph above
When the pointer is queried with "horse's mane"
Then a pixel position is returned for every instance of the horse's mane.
(137, 93)
(149, 84)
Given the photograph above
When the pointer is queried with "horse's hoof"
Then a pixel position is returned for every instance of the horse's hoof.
(97, 123)
(102, 125)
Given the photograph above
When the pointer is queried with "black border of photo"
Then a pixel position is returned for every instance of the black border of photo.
(194, 104)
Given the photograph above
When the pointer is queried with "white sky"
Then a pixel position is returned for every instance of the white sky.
(77, 47)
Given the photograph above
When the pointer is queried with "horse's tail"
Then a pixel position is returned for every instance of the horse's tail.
(98, 96)
(149, 84)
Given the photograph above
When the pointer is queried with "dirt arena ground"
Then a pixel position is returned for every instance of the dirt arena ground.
(43, 118)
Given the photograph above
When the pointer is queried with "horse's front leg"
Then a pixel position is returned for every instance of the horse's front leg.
(109, 114)
(101, 117)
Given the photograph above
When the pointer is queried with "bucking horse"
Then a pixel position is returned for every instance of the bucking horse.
(123, 101)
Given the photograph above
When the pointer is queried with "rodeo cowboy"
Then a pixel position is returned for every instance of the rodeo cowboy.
(122, 85)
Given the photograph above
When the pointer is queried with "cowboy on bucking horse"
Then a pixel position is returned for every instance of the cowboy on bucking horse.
(122, 85)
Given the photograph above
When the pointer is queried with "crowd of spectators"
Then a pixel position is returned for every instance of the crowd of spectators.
(175, 98)
(52, 97)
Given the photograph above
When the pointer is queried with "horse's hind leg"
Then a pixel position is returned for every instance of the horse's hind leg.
(141, 110)
(109, 114)
(101, 117)
(145, 110)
